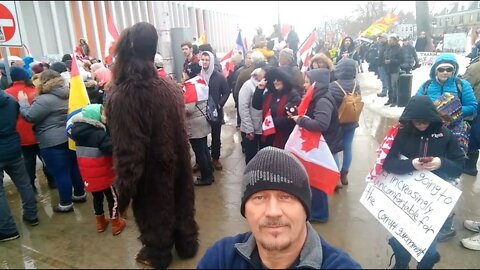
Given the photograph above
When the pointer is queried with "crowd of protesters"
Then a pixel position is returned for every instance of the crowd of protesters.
(266, 83)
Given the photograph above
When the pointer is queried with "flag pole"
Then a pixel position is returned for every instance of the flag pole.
(314, 29)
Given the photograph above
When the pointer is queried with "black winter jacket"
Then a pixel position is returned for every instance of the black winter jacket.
(322, 112)
(394, 54)
(410, 142)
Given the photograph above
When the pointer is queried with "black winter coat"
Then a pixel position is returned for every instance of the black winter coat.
(394, 54)
(219, 91)
(410, 142)
(322, 112)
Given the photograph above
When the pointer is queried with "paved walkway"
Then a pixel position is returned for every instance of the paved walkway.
(71, 241)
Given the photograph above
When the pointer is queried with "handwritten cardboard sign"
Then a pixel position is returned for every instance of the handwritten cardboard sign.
(412, 207)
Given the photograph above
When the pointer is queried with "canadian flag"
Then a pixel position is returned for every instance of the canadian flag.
(382, 152)
(312, 150)
(268, 127)
(195, 90)
(305, 50)
(227, 66)
(111, 39)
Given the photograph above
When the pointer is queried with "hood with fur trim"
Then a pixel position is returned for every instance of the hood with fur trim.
(55, 86)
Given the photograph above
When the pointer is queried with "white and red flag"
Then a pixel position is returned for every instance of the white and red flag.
(268, 127)
(195, 90)
(382, 152)
(227, 66)
(312, 150)
(111, 39)
(305, 50)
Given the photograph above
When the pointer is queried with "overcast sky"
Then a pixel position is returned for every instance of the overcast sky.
(304, 15)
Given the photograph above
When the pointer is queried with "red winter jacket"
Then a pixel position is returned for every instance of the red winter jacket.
(24, 128)
(94, 154)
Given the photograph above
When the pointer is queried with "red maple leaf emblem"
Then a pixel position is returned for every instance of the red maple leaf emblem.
(311, 140)
(267, 122)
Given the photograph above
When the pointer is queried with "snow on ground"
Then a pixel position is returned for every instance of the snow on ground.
(371, 85)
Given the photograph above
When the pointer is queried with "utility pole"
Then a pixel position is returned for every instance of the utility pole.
(278, 14)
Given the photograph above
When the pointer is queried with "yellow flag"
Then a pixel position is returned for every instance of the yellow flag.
(78, 98)
(202, 39)
(380, 26)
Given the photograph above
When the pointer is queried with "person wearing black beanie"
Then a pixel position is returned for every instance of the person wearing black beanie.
(276, 204)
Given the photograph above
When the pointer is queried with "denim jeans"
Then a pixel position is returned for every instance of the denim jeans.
(62, 163)
(403, 257)
(319, 210)
(202, 155)
(347, 148)
(17, 172)
(383, 79)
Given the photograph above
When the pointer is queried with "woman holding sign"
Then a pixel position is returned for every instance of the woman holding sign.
(422, 143)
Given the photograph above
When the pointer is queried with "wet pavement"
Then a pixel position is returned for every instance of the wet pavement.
(70, 240)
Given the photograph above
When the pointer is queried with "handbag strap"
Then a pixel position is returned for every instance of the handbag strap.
(196, 105)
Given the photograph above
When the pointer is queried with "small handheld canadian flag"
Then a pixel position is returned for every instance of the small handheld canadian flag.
(268, 127)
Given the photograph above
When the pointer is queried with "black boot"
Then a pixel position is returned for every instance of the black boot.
(402, 257)
(343, 177)
(471, 163)
(428, 262)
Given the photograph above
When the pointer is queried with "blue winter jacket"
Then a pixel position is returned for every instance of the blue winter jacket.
(469, 102)
(240, 252)
(9, 138)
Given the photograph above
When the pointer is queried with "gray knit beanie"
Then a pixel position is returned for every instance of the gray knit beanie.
(276, 169)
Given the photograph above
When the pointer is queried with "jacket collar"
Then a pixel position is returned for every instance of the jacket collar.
(311, 255)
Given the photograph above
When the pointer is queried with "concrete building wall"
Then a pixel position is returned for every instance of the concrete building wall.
(55, 27)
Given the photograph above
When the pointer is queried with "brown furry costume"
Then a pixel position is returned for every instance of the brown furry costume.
(146, 116)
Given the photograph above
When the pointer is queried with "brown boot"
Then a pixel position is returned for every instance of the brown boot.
(118, 224)
(217, 165)
(343, 177)
(102, 223)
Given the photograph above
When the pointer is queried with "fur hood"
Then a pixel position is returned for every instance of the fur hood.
(95, 123)
(51, 85)
(90, 83)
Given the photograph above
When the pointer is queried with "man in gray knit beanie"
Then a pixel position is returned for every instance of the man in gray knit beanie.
(276, 169)
(276, 204)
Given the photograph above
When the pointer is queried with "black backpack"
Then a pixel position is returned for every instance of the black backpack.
(458, 83)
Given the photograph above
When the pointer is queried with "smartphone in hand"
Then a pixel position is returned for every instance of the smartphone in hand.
(425, 159)
(291, 110)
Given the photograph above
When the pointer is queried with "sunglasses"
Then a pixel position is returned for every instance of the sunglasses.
(448, 69)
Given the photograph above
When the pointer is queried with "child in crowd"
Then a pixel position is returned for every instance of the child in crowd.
(94, 154)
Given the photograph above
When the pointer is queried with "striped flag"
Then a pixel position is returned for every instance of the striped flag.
(305, 50)
(111, 39)
(312, 150)
(195, 89)
(77, 99)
